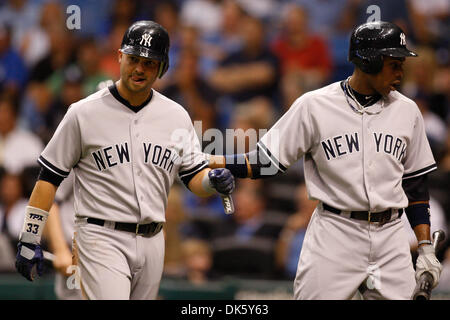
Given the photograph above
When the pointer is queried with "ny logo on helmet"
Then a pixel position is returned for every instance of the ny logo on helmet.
(402, 39)
(146, 40)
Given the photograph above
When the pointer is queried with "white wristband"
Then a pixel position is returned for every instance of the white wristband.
(424, 242)
(33, 225)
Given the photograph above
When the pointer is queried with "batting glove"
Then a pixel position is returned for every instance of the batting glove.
(222, 180)
(427, 262)
(29, 260)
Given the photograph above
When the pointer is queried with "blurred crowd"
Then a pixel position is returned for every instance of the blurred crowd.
(233, 64)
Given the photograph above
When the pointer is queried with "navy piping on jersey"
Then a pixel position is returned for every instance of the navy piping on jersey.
(362, 99)
(271, 157)
(186, 176)
(43, 162)
(420, 172)
(113, 89)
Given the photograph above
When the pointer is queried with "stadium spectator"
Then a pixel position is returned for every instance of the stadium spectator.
(167, 14)
(248, 220)
(291, 238)
(227, 39)
(36, 109)
(13, 203)
(431, 22)
(205, 15)
(324, 16)
(88, 59)
(13, 72)
(198, 261)
(421, 86)
(263, 9)
(302, 54)
(18, 147)
(61, 54)
(250, 72)
(244, 245)
(21, 16)
(35, 43)
(122, 12)
(94, 16)
(191, 91)
(108, 61)
(250, 121)
(42, 115)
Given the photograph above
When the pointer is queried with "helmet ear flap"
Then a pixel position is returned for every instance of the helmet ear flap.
(163, 66)
(370, 65)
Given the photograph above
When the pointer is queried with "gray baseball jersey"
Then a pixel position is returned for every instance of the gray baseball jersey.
(124, 165)
(124, 162)
(354, 160)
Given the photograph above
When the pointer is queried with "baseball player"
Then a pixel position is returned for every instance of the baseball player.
(127, 144)
(366, 160)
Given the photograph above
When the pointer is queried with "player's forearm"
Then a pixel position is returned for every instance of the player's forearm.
(240, 170)
(422, 232)
(197, 184)
(255, 165)
(43, 195)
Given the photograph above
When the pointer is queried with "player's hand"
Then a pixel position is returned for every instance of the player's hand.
(222, 180)
(62, 261)
(29, 256)
(427, 262)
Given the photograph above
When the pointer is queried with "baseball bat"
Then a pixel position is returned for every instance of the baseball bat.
(47, 256)
(425, 282)
(227, 202)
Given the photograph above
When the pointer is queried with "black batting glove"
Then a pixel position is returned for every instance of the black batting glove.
(29, 260)
(222, 180)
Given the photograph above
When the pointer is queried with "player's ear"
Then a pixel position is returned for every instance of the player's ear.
(119, 55)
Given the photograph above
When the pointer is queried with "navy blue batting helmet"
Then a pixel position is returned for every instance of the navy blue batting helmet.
(371, 41)
(148, 39)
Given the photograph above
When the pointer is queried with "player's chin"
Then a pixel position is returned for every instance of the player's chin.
(386, 90)
(138, 85)
(394, 86)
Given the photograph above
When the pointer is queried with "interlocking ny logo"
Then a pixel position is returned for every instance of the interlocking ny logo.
(146, 40)
(402, 39)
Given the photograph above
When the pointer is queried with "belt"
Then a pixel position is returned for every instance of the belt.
(149, 229)
(380, 217)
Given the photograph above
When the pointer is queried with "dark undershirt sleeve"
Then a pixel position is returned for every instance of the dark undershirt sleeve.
(49, 176)
(416, 188)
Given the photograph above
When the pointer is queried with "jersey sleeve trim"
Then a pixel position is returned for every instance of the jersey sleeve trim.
(272, 158)
(420, 172)
(44, 163)
(187, 175)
